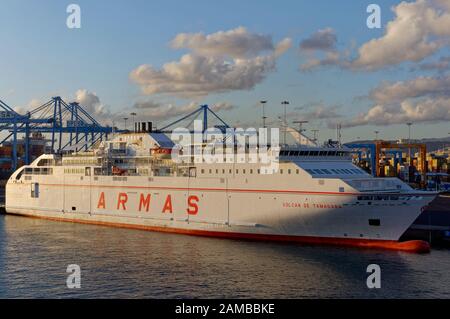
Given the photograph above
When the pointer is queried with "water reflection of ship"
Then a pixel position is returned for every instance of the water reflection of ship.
(38, 146)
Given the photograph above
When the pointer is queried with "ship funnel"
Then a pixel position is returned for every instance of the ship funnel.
(143, 127)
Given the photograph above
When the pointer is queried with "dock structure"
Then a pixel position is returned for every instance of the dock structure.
(68, 122)
(374, 151)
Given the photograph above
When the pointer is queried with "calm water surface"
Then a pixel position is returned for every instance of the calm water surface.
(34, 255)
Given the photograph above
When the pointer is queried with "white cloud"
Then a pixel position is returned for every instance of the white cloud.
(321, 112)
(223, 106)
(419, 29)
(220, 62)
(420, 100)
(441, 65)
(324, 40)
(331, 58)
(428, 110)
(320, 50)
(237, 43)
(149, 104)
(92, 104)
(34, 103)
(418, 87)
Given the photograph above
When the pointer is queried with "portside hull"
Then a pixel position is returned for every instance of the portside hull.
(413, 246)
(201, 209)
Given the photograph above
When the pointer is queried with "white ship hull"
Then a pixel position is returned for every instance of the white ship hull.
(223, 207)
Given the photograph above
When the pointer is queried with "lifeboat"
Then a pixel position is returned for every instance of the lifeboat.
(118, 171)
(161, 152)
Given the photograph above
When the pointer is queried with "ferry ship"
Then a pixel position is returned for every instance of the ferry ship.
(316, 196)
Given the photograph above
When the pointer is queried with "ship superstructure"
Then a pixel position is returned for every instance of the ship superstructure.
(316, 195)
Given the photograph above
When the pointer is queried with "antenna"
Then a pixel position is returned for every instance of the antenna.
(338, 133)
(263, 103)
(285, 103)
(316, 137)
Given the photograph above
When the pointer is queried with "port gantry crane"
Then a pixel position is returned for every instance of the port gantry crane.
(375, 149)
(57, 118)
(203, 110)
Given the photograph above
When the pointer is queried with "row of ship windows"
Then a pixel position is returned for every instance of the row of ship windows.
(38, 171)
(313, 153)
(250, 171)
(387, 197)
(331, 171)
(70, 161)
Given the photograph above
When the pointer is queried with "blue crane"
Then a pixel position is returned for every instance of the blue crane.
(57, 119)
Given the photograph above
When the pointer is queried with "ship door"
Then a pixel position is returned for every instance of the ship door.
(34, 190)
(86, 191)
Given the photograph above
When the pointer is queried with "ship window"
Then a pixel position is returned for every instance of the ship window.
(374, 222)
(203, 171)
(318, 171)
(237, 171)
(19, 175)
(223, 171)
(313, 153)
(332, 153)
(229, 171)
(281, 171)
(259, 171)
(289, 171)
(210, 171)
(243, 171)
(251, 171)
(297, 171)
(326, 171)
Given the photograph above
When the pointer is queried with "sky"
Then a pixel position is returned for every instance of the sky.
(161, 59)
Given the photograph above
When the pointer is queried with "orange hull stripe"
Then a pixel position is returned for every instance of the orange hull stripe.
(414, 246)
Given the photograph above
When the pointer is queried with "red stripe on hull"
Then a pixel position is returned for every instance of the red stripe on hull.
(236, 190)
(413, 246)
